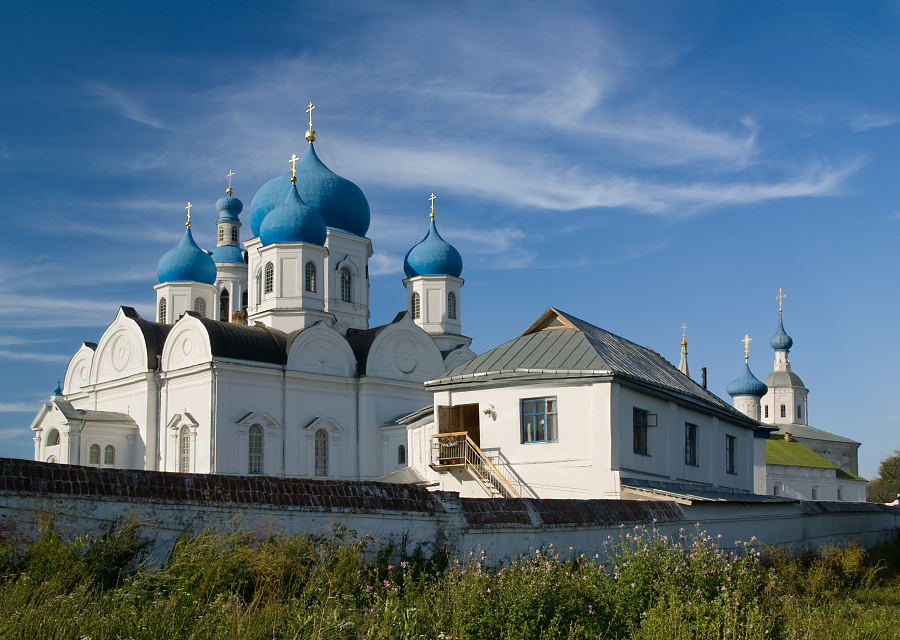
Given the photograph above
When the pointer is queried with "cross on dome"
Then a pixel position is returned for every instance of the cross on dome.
(293, 162)
(781, 296)
(229, 191)
(311, 134)
(188, 223)
(432, 205)
(746, 342)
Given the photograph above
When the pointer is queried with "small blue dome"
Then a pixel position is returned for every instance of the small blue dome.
(186, 263)
(229, 209)
(781, 341)
(228, 253)
(746, 384)
(433, 256)
(58, 390)
(340, 203)
(293, 221)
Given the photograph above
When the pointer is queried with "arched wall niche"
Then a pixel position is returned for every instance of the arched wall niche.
(78, 373)
(121, 352)
(321, 349)
(403, 351)
(186, 345)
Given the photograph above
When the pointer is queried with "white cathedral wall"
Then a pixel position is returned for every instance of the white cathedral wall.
(188, 390)
(134, 396)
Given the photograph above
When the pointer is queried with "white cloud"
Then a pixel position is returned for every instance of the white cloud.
(866, 120)
(17, 407)
(126, 106)
(34, 357)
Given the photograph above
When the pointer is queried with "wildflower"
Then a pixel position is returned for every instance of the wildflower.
(402, 565)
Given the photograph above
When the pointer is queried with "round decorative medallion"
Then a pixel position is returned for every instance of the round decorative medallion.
(187, 346)
(321, 354)
(83, 373)
(406, 355)
(121, 352)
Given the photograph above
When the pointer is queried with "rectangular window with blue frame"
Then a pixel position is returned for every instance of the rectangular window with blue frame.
(539, 420)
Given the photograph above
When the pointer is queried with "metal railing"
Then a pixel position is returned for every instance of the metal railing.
(458, 450)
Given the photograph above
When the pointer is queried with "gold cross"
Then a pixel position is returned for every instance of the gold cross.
(309, 111)
(293, 162)
(746, 342)
(432, 205)
(188, 223)
(780, 297)
(683, 329)
(229, 190)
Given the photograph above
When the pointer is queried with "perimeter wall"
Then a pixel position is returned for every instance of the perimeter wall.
(87, 500)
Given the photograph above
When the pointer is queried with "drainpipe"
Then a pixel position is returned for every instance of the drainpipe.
(159, 428)
(283, 421)
(214, 390)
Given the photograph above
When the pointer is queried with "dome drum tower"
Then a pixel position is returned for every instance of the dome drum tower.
(187, 276)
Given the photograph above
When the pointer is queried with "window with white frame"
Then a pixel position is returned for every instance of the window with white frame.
(321, 452)
(109, 456)
(815, 493)
(451, 305)
(234, 234)
(415, 306)
(799, 412)
(776, 490)
(539, 420)
(783, 412)
(690, 444)
(401, 454)
(200, 306)
(53, 438)
(255, 449)
(767, 411)
(730, 446)
(270, 277)
(221, 233)
(94, 455)
(640, 422)
(184, 450)
(311, 276)
(162, 310)
(346, 282)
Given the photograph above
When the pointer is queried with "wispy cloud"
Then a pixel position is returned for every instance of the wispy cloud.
(127, 106)
(34, 357)
(866, 120)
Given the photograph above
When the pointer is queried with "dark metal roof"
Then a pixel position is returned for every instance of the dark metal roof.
(696, 492)
(257, 343)
(811, 433)
(361, 340)
(89, 415)
(154, 335)
(559, 344)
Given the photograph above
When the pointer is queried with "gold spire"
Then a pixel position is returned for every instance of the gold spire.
(229, 191)
(310, 135)
(683, 334)
(293, 162)
(432, 206)
(780, 297)
(746, 342)
(188, 223)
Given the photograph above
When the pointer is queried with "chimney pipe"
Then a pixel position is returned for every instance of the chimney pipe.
(704, 376)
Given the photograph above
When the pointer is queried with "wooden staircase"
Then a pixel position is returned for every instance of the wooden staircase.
(457, 450)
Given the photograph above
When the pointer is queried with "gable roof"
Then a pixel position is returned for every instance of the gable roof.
(361, 341)
(154, 335)
(811, 433)
(560, 345)
(796, 454)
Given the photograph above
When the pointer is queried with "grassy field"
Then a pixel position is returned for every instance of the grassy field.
(645, 586)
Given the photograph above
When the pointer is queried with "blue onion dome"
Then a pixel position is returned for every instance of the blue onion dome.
(58, 390)
(229, 209)
(269, 196)
(187, 263)
(746, 384)
(781, 341)
(228, 253)
(433, 256)
(341, 203)
(293, 221)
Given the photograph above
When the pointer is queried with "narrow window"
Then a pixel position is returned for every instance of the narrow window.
(53, 438)
(162, 310)
(840, 493)
(401, 454)
(244, 300)
(109, 456)
(776, 490)
(221, 234)
(539, 420)
(415, 307)
(346, 280)
(255, 449)
(311, 276)
(690, 444)
(639, 420)
(799, 412)
(730, 443)
(270, 277)
(200, 306)
(815, 493)
(234, 234)
(321, 452)
(783, 414)
(95, 455)
(259, 286)
(451, 305)
(224, 306)
(767, 411)
(185, 450)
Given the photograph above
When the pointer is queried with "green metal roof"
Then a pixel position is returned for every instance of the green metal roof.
(797, 454)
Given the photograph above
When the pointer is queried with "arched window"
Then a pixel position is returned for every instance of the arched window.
(451, 305)
(109, 456)
(815, 493)
(415, 307)
(234, 234)
(321, 452)
(346, 281)
(840, 493)
(221, 233)
(776, 490)
(270, 277)
(162, 310)
(94, 457)
(311, 276)
(200, 306)
(53, 438)
(224, 305)
(184, 450)
(243, 301)
(401, 454)
(255, 449)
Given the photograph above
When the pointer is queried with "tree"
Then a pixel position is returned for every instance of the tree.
(886, 486)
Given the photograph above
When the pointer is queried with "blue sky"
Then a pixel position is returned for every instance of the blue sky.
(637, 164)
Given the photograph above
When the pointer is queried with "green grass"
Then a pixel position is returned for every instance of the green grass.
(237, 585)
